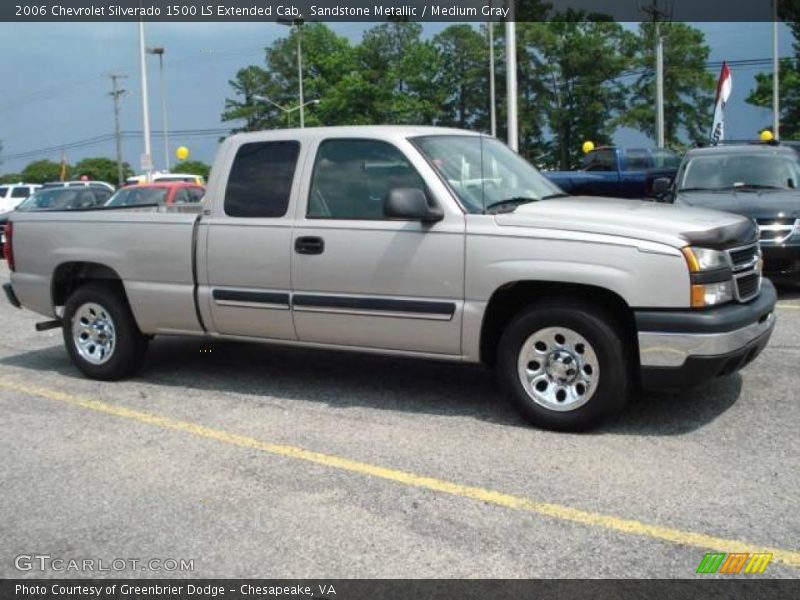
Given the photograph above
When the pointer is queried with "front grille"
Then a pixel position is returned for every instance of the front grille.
(744, 258)
(746, 265)
(777, 230)
(748, 286)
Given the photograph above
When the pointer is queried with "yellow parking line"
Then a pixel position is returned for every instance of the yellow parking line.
(789, 306)
(556, 511)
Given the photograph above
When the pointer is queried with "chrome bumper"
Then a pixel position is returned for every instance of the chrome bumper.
(673, 349)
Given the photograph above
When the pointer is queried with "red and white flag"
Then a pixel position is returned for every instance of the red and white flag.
(724, 86)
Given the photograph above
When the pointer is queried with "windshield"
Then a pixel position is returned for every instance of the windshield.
(484, 172)
(60, 199)
(137, 196)
(724, 172)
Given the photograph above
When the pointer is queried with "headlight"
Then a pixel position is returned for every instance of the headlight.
(711, 277)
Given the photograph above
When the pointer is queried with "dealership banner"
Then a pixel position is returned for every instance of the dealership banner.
(383, 589)
(374, 10)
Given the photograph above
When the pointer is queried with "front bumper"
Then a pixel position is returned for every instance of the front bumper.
(686, 348)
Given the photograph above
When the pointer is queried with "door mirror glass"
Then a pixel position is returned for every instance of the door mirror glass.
(411, 204)
(661, 186)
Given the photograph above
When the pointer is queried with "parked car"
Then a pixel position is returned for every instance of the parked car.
(617, 172)
(12, 194)
(61, 198)
(102, 184)
(761, 182)
(408, 241)
(163, 177)
(157, 193)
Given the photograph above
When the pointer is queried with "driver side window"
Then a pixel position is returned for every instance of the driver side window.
(352, 178)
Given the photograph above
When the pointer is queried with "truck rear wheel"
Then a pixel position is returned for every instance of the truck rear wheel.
(564, 367)
(100, 333)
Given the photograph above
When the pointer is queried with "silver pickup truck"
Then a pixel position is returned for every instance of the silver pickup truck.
(408, 241)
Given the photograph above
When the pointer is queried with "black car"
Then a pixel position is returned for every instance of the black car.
(758, 181)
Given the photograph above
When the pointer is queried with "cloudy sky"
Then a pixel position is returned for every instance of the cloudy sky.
(53, 90)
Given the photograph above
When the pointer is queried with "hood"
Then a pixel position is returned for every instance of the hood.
(650, 221)
(756, 204)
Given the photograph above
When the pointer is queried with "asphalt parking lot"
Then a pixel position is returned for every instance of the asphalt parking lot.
(258, 461)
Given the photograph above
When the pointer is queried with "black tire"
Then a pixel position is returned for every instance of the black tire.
(603, 333)
(130, 344)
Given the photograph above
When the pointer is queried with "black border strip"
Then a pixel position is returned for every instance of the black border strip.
(277, 298)
(421, 307)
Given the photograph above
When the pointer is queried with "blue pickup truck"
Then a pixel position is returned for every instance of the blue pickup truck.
(617, 172)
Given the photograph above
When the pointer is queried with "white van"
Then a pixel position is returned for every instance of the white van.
(12, 195)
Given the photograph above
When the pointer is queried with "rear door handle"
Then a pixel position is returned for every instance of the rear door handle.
(309, 245)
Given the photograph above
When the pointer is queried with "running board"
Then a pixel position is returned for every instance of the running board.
(45, 325)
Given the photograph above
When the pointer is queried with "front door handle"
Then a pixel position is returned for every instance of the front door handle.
(309, 245)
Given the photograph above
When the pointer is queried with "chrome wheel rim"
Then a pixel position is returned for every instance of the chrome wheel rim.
(93, 333)
(558, 368)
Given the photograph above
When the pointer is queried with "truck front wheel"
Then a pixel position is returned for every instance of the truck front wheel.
(564, 366)
(100, 333)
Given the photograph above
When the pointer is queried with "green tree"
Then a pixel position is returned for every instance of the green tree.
(688, 86)
(463, 77)
(194, 167)
(11, 178)
(569, 82)
(100, 169)
(327, 59)
(42, 171)
(789, 90)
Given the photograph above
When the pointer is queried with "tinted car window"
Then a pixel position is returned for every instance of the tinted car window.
(3, 192)
(20, 192)
(181, 196)
(601, 160)
(137, 196)
(51, 199)
(353, 177)
(638, 160)
(196, 194)
(260, 181)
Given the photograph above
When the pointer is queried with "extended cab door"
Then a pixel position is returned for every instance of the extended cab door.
(244, 244)
(362, 279)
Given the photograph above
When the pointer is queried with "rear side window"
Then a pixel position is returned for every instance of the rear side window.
(20, 192)
(3, 192)
(601, 160)
(260, 181)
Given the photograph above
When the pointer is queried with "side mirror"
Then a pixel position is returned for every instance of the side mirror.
(662, 186)
(411, 204)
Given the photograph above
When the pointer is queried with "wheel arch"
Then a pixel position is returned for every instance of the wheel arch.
(68, 276)
(509, 299)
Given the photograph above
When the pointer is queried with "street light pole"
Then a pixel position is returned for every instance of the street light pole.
(659, 86)
(288, 111)
(159, 51)
(298, 23)
(492, 94)
(147, 159)
(776, 107)
(511, 82)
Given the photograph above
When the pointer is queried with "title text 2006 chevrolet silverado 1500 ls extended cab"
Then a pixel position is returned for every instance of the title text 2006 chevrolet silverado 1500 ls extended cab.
(409, 241)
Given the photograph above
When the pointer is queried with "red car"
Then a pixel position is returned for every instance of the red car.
(173, 192)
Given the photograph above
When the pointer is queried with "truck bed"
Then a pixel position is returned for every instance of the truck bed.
(151, 249)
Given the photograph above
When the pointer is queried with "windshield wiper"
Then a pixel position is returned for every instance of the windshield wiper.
(701, 189)
(755, 186)
(509, 204)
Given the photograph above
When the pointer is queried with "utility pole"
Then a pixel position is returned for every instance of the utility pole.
(116, 93)
(658, 15)
(776, 106)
